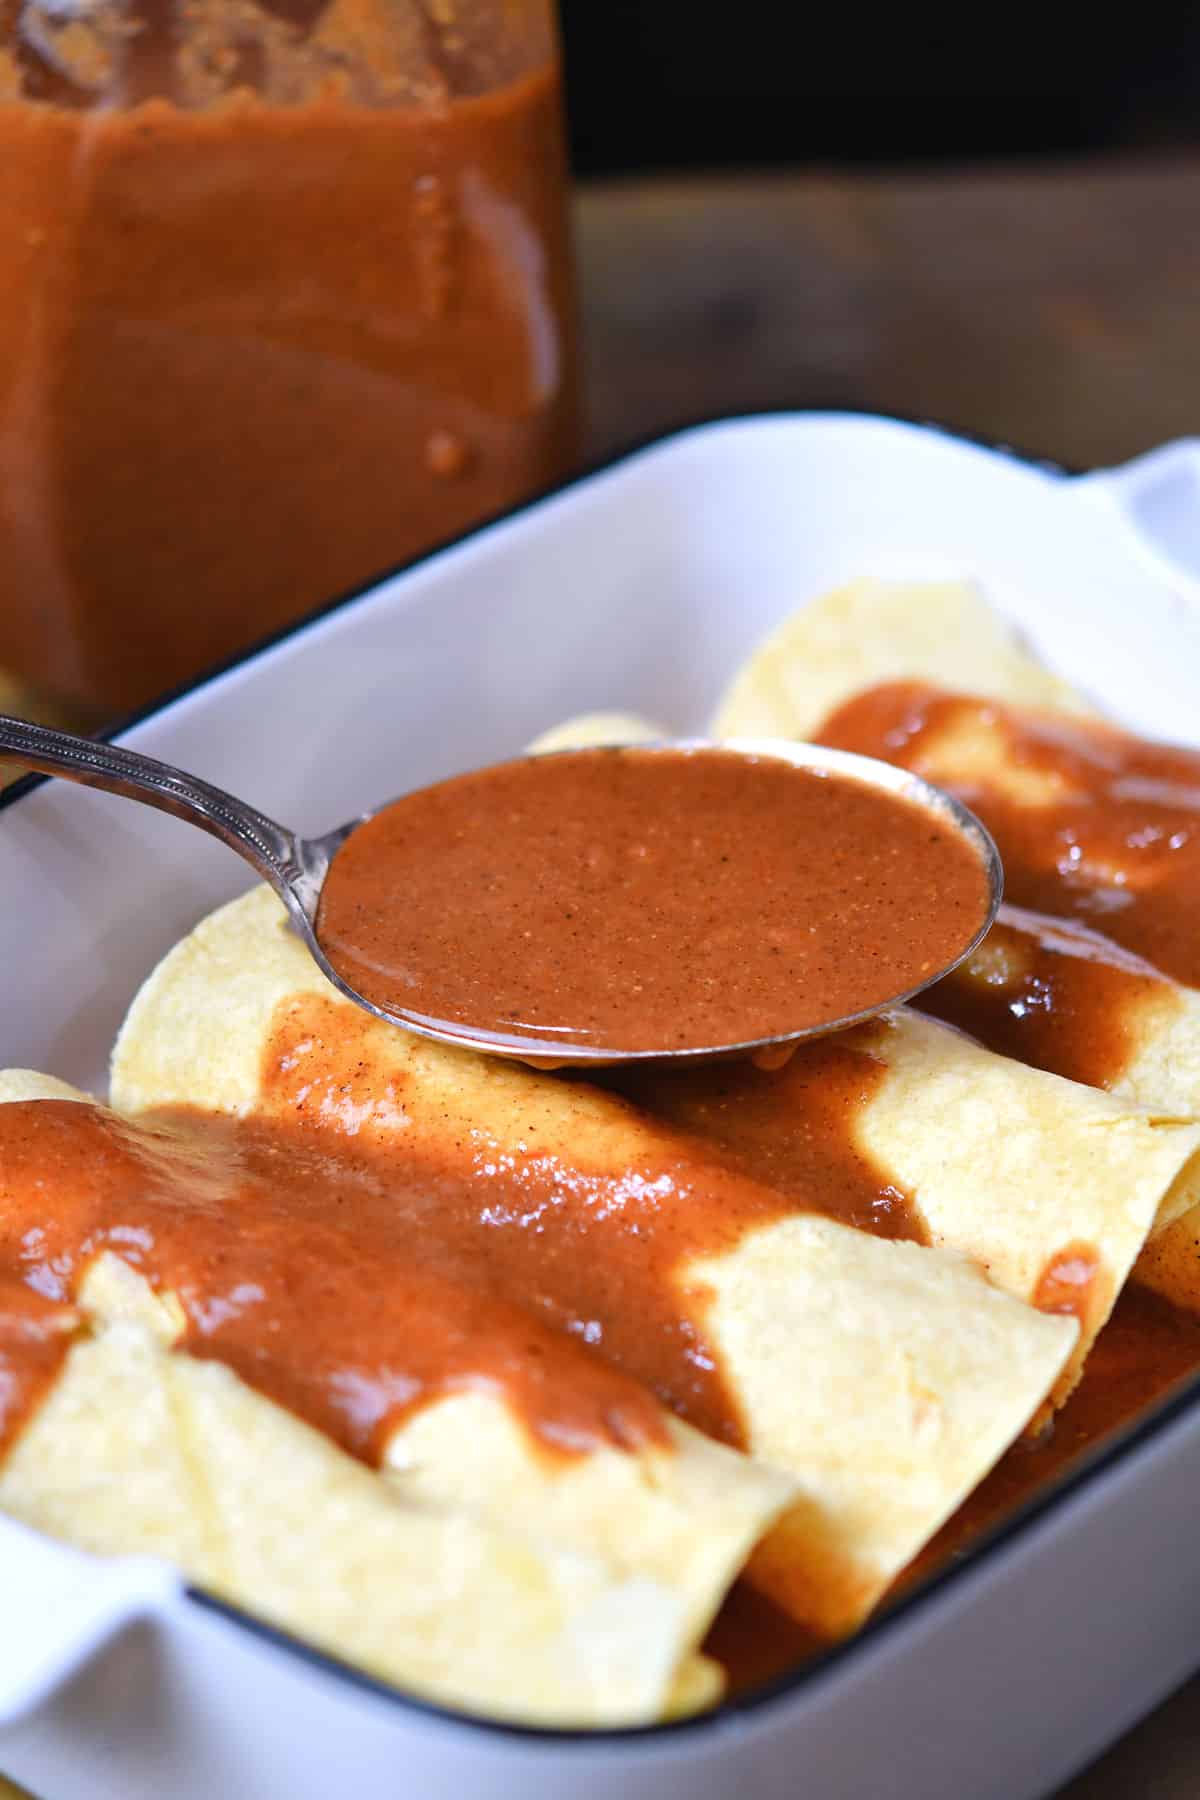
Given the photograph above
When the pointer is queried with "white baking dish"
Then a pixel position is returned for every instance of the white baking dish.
(638, 587)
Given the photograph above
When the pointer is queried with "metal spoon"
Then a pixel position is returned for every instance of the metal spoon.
(296, 867)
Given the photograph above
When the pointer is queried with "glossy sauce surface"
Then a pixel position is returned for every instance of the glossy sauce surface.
(1052, 993)
(354, 1282)
(786, 1128)
(353, 1285)
(637, 899)
(608, 1328)
(35, 1332)
(282, 303)
(1092, 824)
(1059, 993)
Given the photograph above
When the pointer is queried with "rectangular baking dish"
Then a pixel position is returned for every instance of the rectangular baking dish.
(640, 587)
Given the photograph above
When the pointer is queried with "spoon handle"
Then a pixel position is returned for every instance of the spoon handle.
(273, 851)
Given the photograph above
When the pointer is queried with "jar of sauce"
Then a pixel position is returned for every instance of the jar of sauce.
(285, 299)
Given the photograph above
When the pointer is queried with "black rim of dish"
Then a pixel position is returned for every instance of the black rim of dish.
(1118, 1449)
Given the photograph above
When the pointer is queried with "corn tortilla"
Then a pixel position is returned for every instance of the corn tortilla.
(946, 635)
(196, 1034)
(139, 1448)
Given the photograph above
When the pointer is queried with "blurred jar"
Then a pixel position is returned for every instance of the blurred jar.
(285, 298)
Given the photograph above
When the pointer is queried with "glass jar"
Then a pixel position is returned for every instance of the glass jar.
(285, 299)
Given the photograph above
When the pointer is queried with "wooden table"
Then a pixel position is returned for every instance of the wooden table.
(1056, 310)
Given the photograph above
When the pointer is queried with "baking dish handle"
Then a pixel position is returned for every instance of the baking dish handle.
(59, 1606)
(1158, 497)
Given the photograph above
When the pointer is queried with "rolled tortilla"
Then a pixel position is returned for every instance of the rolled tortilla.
(876, 632)
(588, 730)
(885, 1377)
(140, 1448)
(994, 996)
(871, 631)
(1051, 1187)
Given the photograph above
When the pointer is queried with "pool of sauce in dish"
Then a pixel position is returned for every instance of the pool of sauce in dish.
(634, 899)
(1147, 1348)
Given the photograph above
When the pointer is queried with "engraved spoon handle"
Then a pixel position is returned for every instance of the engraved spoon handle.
(277, 854)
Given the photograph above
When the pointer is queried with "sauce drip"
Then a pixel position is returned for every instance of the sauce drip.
(636, 899)
(35, 1334)
(354, 1279)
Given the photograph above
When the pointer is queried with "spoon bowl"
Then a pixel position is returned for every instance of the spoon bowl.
(296, 868)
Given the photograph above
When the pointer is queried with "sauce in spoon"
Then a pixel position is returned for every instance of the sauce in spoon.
(649, 900)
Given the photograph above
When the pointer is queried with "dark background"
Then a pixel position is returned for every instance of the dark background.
(678, 84)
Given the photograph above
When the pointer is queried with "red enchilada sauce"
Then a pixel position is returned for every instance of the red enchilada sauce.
(647, 900)
(1116, 856)
(1097, 829)
(1051, 993)
(354, 1283)
(354, 1278)
(35, 1334)
(285, 298)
